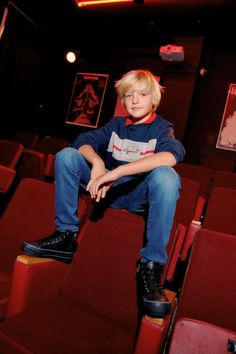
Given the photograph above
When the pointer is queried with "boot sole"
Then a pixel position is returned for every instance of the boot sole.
(156, 309)
(34, 251)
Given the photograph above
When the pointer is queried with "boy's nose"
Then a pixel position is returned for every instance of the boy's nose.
(135, 97)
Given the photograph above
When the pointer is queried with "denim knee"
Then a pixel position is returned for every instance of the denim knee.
(67, 157)
(165, 179)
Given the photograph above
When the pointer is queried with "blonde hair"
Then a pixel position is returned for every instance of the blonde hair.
(134, 78)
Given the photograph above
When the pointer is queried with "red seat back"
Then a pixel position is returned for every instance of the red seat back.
(187, 203)
(221, 210)
(27, 139)
(28, 216)
(209, 288)
(39, 161)
(217, 163)
(31, 165)
(102, 278)
(10, 153)
(98, 299)
(97, 309)
(50, 145)
(224, 179)
(200, 174)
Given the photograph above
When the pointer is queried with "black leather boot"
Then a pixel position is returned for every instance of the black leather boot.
(154, 299)
(59, 245)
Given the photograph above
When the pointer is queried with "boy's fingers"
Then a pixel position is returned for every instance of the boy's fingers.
(98, 197)
(104, 191)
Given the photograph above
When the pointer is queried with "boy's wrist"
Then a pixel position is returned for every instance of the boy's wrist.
(120, 171)
(97, 160)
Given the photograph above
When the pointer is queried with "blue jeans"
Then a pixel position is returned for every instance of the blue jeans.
(155, 193)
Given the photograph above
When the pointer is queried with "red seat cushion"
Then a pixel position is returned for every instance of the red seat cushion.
(60, 327)
(97, 310)
(192, 336)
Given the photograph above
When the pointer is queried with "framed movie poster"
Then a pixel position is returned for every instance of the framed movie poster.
(87, 99)
(227, 133)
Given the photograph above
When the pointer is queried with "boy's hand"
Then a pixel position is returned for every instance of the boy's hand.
(101, 193)
(98, 170)
(99, 187)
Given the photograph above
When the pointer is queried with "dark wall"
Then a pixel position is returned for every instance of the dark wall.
(208, 106)
(38, 83)
(22, 72)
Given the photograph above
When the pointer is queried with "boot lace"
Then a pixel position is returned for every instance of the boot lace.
(52, 239)
(152, 280)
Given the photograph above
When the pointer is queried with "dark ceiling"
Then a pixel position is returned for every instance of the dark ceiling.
(149, 23)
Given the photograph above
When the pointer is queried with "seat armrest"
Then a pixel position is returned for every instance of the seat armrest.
(199, 208)
(175, 252)
(49, 166)
(153, 331)
(7, 176)
(33, 280)
(190, 236)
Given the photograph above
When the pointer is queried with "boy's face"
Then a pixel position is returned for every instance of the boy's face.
(138, 103)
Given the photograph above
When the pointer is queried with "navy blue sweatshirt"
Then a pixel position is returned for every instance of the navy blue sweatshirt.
(123, 142)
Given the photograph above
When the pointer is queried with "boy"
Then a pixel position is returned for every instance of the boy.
(136, 174)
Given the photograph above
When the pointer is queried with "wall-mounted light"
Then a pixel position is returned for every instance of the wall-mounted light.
(100, 2)
(72, 56)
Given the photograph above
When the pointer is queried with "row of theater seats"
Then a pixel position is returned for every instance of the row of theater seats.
(202, 320)
(31, 208)
(217, 163)
(102, 271)
(10, 154)
(101, 295)
(207, 179)
(212, 186)
(27, 155)
(90, 306)
(38, 156)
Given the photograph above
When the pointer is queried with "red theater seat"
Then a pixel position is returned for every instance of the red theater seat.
(39, 161)
(224, 179)
(208, 293)
(32, 165)
(192, 336)
(219, 216)
(220, 211)
(188, 201)
(201, 174)
(186, 211)
(98, 297)
(10, 154)
(7, 176)
(95, 309)
(29, 215)
(217, 163)
(27, 139)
